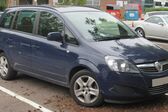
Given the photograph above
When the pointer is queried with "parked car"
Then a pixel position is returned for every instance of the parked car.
(89, 51)
(154, 13)
(1, 13)
(153, 27)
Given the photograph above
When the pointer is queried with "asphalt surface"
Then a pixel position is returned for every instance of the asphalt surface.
(58, 99)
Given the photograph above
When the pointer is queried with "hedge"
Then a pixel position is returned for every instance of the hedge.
(155, 9)
(3, 4)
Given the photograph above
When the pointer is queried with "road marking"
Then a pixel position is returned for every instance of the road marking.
(35, 105)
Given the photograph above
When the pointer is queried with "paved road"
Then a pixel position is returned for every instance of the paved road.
(57, 98)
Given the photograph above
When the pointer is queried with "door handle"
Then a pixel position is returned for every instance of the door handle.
(25, 44)
(9, 39)
(35, 46)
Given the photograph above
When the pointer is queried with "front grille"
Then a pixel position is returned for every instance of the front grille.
(158, 90)
(158, 66)
(165, 67)
(149, 69)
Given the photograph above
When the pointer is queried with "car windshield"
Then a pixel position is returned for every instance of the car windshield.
(99, 26)
(166, 19)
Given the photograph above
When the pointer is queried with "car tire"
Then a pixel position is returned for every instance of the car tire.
(6, 71)
(85, 89)
(140, 32)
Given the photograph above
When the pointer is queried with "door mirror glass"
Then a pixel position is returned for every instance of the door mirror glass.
(55, 36)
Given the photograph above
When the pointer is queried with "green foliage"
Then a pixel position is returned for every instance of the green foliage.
(155, 9)
(3, 4)
(72, 2)
(79, 2)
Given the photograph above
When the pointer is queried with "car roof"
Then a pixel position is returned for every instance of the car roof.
(75, 9)
(156, 12)
(159, 16)
(60, 9)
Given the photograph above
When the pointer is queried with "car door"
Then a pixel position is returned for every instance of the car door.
(51, 59)
(23, 29)
(153, 28)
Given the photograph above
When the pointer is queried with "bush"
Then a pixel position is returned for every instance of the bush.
(72, 2)
(3, 5)
(155, 9)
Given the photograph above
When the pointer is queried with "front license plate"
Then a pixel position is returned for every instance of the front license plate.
(159, 81)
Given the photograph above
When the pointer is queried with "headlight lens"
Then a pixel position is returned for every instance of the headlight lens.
(120, 65)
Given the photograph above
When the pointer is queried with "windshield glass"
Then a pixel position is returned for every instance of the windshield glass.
(166, 19)
(99, 26)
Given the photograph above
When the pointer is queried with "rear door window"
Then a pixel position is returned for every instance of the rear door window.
(25, 21)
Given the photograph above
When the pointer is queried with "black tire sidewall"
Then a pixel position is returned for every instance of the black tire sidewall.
(99, 100)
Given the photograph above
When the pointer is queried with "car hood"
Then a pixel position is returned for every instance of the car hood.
(138, 50)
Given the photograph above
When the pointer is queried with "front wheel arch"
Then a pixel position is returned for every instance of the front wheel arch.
(82, 64)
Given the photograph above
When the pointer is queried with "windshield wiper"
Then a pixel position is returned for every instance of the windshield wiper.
(115, 37)
(104, 39)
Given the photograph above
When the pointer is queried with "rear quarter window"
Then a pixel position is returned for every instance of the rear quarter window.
(7, 20)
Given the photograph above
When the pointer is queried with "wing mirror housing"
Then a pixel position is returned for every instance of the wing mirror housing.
(55, 36)
(161, 23)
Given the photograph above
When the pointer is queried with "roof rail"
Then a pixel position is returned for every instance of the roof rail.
(44, 6)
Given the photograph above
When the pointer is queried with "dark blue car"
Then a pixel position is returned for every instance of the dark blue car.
(89, 51)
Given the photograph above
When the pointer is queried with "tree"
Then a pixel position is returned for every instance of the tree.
(3, 4)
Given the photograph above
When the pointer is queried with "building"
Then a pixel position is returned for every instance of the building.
(144, 3)
(100, 3)
(160, 3)
(28, 2)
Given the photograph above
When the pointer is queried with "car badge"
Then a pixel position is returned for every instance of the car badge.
(158, 66)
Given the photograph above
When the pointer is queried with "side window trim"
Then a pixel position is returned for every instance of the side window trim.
(12, 25)
(73, 36)
(37, 22)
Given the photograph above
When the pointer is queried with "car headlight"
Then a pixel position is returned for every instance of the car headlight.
(120, 65)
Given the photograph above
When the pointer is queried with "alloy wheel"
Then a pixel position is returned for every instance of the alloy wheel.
(3, 66)
(140, 32)
(86, 89)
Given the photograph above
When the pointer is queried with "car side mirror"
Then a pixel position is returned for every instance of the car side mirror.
(55, 36)
(161, 23)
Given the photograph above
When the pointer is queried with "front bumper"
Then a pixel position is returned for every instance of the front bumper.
(128, 87)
